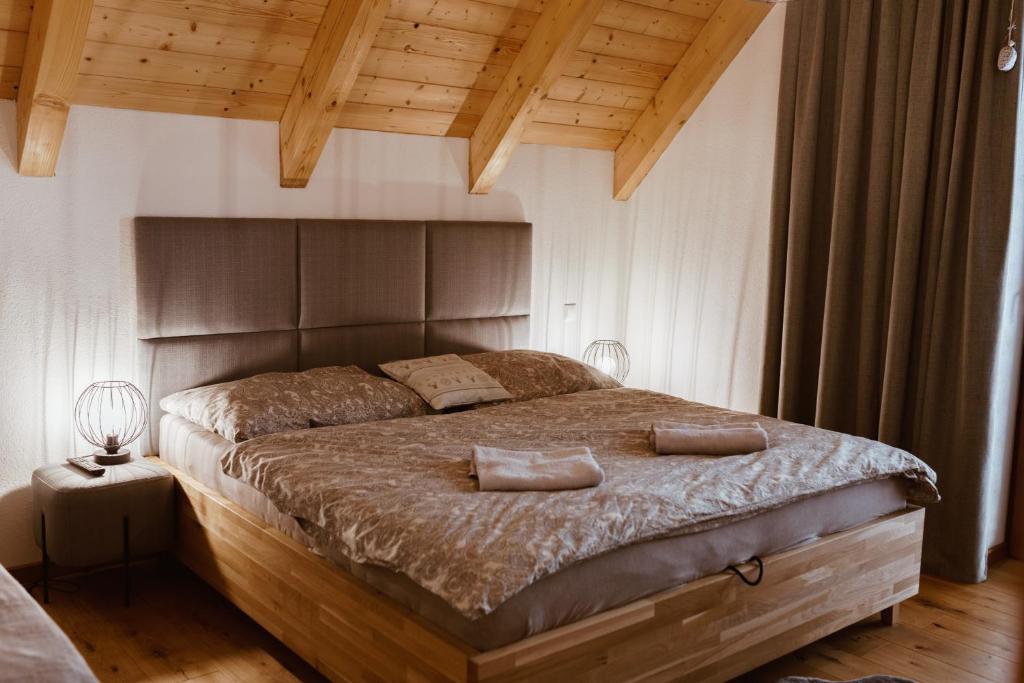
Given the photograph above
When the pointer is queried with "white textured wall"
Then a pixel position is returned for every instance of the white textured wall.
(678, 272)
(695, 287)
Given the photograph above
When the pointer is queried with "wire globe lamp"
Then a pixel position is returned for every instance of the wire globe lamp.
(110, 415)
(609, 356)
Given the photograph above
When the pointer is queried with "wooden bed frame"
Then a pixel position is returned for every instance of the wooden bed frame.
(708, 630)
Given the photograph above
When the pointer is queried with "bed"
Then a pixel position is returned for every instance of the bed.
(32, 646)
(641, 597)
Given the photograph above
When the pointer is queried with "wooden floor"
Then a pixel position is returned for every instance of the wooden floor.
(179, 629)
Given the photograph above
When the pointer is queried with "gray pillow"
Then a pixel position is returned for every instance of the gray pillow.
(284, 401)
(536, 374)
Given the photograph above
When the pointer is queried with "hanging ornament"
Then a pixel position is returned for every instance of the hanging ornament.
(1008, 55)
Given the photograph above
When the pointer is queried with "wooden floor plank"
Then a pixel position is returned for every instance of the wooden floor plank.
(179, 629)
(951, 653)
(1010, 624)
(951, 627)
(991, 595)
(100, 644)
(836, 663)
(1007, 573)
(858, 639)
(916, 665)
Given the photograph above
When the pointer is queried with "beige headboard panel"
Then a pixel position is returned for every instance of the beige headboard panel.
(220, 299)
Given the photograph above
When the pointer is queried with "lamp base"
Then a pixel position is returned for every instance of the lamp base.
(106, 459)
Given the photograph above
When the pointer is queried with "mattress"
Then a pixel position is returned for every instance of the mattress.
(588, 587)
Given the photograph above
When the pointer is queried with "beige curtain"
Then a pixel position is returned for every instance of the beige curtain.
(890, 226)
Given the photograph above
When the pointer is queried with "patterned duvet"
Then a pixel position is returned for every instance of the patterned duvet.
(396, 493)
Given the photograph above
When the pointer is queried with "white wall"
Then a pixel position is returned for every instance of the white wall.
(695, 285)
(678, 272)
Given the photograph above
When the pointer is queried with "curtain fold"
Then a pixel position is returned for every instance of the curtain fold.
(890, 227)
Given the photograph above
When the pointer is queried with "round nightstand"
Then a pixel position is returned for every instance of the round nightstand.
(83, 520)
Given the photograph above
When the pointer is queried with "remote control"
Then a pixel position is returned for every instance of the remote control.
(87, 464)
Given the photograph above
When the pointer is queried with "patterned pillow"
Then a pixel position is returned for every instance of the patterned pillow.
(446, 381)
(283, 401)
(536, 374)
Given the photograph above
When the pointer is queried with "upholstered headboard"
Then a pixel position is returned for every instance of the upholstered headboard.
(220, 299)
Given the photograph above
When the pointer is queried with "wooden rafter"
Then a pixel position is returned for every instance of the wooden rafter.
(547, 50)
(53, 51)
(337, 53)
(721, 39)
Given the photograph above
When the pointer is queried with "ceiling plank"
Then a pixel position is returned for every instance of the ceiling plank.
(168, 66)
(292, 17)
(545, 54)
(340, 46)
(15, 15)
(649, 21)
(127, 93)
(53, 51)
(12, 47)
(176, 98)
(9, 78)
(721, 39)
(538, 133)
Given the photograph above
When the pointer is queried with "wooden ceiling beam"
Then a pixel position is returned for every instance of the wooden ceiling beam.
(547, 50)
(714, 48)
(56, 38)
(339, 48)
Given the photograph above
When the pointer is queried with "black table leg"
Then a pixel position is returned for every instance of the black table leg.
(127, 558)
(46, 561)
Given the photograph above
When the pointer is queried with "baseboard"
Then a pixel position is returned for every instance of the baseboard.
(997, 553)
(31, 574)
(28, 574)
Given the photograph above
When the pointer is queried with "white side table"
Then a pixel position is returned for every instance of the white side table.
(83, 520)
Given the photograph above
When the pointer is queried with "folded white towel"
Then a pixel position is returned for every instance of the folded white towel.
(556, 469)
(680, 438)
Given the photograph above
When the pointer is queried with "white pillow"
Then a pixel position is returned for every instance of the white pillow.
(446, 381)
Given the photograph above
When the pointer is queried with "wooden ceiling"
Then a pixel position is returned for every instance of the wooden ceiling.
(619, 75)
